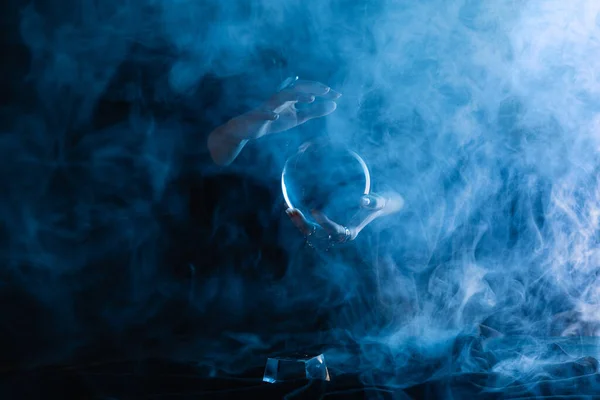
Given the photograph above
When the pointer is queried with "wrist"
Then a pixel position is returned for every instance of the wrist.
(224, 147)
(228, 134)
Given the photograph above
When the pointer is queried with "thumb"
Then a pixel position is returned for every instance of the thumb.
(372, 202)
(299, 221)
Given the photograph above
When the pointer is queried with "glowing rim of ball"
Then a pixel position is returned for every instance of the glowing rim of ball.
(355, 155)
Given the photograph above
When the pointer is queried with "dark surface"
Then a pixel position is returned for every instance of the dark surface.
(562, 370)
(161, 379)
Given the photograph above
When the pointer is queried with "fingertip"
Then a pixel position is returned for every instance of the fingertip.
(326, 108)
(365, 201)
(306, 98)
(316, 88)
(372, 202)
(400, 203)
(334, 94)
(316, 110)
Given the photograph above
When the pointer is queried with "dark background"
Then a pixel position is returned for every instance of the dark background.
(122, 242)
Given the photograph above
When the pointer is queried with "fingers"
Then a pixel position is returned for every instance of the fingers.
(302, 92)
(316, 110)
(391, 202)
(328, 225)
(299, 221)
(283, 99)
(372, 202)
(326, 231)
(376, 206)
(394, 202)
(316, 88)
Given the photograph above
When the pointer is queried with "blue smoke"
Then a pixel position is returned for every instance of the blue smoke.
(483, 116)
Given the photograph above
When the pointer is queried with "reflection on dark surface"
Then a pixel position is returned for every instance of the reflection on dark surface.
(548, 368)
(294, 366)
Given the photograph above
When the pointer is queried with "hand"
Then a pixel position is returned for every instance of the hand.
(278, 114)
(326, 233)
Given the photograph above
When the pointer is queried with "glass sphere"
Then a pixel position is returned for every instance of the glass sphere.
(326, 177)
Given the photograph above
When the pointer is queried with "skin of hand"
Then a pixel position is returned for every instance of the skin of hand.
(278, 114)
(373, 206)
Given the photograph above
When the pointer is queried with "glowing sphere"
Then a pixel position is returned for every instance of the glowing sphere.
(326, 177)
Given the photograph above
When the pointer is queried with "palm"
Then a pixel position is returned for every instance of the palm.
(256, 124)
(283, 104)
(288, 119)
(278, 114)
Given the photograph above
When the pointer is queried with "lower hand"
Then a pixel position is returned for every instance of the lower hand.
(327, 233)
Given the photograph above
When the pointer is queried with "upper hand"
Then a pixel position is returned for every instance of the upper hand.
(279, 113)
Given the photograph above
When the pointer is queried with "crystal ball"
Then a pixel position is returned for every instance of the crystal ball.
(326, 177)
